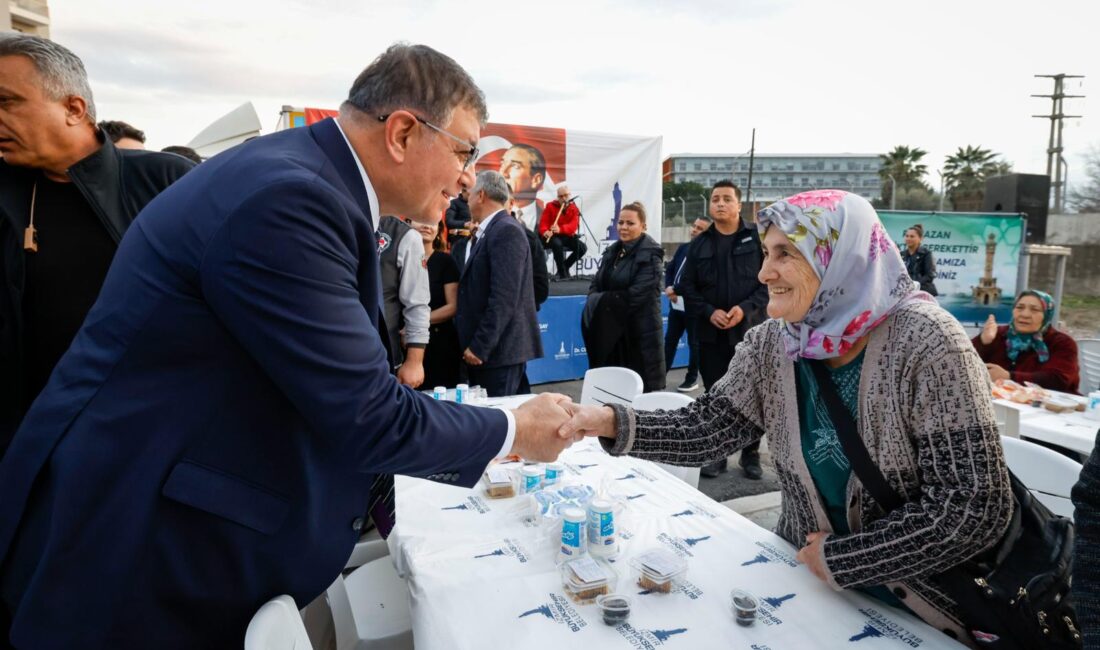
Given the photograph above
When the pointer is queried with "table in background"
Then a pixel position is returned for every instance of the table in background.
(480, 576)
(1072, 430)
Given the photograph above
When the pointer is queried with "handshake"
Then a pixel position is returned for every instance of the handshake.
(549, 423)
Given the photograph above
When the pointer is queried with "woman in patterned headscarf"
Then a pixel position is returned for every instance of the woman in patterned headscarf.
(840, 296)
(1030, 348)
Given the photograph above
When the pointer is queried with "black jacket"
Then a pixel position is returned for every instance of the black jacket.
(921, 266)
(539, 275)
(629, 282)
(457, 216)
(117, 184)
(699, 282)
(1086, 548)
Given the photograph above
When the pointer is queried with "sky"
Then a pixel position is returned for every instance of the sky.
(811, 76)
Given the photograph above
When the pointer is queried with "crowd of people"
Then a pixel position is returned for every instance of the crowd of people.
(203, 407)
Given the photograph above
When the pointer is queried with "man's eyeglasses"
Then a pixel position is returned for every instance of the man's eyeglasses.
(467, 157)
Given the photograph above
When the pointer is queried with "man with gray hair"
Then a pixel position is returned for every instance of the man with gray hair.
(211, 437)
(67, 195)
(496, 321)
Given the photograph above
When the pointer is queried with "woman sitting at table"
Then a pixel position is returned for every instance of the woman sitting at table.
(1030, 348)
(903, 368)
(621, 324)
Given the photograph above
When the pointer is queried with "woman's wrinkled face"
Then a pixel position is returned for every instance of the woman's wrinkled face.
(912, 239)
(791, 280)
(631, 226)
(1027, 315)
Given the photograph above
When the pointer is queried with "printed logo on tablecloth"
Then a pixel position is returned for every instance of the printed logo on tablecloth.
(631, 497)
(647, 639)
(879, 626)
(560, 611)
(476, 504)
(770, 553)
(684, 587)
(577, 468)
(508, 548)
(768, 606)
(695, 509)
(637, 472)
(759, 646)
(681, 545)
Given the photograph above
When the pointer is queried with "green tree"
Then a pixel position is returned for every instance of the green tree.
(683, 190)
(1085, 196)
(965, 172)
(904, 164)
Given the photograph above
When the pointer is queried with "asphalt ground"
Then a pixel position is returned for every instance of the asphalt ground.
(730, 485)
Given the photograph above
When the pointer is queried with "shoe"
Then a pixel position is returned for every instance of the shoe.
(750, 465)
(688, 385)
(713, 470)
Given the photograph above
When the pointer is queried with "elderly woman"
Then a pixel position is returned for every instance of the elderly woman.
(839, 295)
(1030, 348)
(621, 323)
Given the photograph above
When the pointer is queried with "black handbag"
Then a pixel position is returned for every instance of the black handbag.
(1014, 596)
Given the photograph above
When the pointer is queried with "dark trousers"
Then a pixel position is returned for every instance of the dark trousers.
(714, 361)
(497, 382)
(678, 323)
(558, 244)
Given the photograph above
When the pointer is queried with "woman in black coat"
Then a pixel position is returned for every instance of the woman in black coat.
(919, 261)
(622, 319)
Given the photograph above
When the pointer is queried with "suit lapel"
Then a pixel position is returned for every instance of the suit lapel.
(477, 244)
(332, 142)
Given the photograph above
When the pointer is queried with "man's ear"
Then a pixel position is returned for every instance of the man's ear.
(76, 110)
(398, 133)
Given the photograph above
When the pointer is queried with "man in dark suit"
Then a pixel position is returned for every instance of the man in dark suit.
(496, 321)
(209, 440)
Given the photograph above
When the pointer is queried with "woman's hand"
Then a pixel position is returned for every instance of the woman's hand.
(812, 556)
(989, 330)
(588, 421)
(997, 373)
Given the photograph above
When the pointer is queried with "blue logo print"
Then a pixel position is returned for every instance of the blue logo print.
(461, 506)
(776, 602)
(869, 632)
(544, 610)
(628, 476)
(878, 625)
(692, 541)
(663, 635)
(560, 611)
(498, 552)
(646, 638)
(759, 559)
(635, 496)
(684, 513)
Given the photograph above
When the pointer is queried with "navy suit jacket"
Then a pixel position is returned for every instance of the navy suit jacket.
(496, 316)
(209, 440)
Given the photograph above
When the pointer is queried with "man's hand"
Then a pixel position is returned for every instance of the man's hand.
(735, 315)
(555, 229)
(537, 424)
(470, 358)
(989, 330)
(411, 374)
(720, 319)
(997, 373)
(671, 293)
(811, 555)
(588, 421)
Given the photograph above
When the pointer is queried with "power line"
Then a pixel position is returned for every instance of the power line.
(1055, 162)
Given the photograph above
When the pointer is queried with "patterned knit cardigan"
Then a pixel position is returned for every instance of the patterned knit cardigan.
(926, 417)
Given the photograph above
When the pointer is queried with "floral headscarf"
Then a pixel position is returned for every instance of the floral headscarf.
(863, 279)
(1018, 343)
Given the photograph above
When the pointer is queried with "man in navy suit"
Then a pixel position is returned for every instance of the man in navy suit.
(496, 321)
(209, 440)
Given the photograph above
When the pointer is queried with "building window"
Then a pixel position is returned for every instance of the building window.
(683, 166)
(698, 167)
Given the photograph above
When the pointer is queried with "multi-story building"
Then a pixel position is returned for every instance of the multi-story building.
(775, 176)
(27, 16)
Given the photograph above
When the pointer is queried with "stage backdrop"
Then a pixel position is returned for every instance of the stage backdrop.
(977, 258)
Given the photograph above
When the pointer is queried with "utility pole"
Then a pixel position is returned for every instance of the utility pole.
(752, 157)
(1055, 163)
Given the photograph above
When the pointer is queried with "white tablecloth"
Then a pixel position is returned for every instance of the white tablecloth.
(1072, 430)
(482, 577)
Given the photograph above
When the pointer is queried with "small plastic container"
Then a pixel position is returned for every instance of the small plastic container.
(462, 394)
(615, 608)
(744, 606)
(658, 570)
(572, 534)
(602, 540)
(499, 483)
(554, 472)
(440, 393)
(587, 578)
(530, 479)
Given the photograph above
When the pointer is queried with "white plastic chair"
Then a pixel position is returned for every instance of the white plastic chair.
(669, 402)
(610, 386)
(370, 547)
(370, 608)
(1088, 354)
(1047, 474)
(277, 625)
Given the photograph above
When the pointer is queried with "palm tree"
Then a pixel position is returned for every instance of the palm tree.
(904, 164)
(965, 172)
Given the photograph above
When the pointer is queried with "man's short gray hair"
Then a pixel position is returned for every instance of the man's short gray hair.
(62, 72)
(493, 184)
(416, 78)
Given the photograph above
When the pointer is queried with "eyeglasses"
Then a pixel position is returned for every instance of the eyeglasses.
(467, 157)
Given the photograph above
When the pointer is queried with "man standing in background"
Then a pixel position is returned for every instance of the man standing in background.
(720, 283)
(680, 318)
